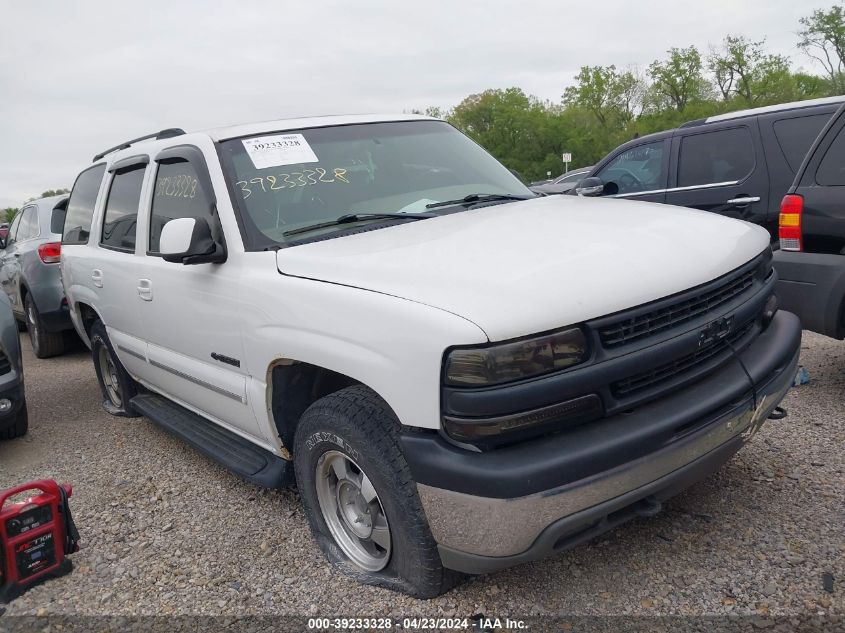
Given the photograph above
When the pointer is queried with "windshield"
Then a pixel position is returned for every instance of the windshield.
(288, 180)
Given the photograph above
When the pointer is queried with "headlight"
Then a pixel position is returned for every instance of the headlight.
(506, 362)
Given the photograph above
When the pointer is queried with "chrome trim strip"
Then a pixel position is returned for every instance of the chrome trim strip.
(487, 526)
(132, 353)
(709, 185)
(197, 381)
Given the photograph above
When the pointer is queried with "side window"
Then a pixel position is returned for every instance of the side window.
(796, 135)
(636, 169)
(831, 171)
(121, 216)
(28, 227)
(178, 193)
(716, 157)
(80, 207)
(13, 229)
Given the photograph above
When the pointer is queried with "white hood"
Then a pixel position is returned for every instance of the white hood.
(525, 267)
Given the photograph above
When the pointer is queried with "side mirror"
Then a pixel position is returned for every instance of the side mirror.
(2, 243)
(592, 186)
(189, 241)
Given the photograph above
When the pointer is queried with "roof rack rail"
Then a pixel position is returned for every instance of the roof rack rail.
(694, 123)
(168, 133)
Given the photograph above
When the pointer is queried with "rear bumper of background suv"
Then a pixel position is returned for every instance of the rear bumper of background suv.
(495, 509)
(812, 285)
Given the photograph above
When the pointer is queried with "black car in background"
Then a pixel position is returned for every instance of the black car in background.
(738, 164)
(811, 260)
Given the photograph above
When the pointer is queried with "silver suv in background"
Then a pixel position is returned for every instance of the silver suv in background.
(29, 274)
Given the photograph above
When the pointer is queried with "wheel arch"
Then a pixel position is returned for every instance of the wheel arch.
(293, 386)
(86, 315)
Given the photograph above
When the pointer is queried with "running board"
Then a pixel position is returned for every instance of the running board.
(241, 456)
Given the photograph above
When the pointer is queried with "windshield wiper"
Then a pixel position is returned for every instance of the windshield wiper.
(477, 197)
(355, 217)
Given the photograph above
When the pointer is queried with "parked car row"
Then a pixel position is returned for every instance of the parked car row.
(458, 374)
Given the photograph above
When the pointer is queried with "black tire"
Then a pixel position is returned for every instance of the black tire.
(19, 427)
(21, 324)
(358, 423)
(117, 387)
(45, 344)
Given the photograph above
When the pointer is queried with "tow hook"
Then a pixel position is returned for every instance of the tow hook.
(779, 413)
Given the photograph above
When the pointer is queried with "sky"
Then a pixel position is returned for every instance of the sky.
(78, 77)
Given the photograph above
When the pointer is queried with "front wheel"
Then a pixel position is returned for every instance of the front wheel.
(116, 384)
(360, 498)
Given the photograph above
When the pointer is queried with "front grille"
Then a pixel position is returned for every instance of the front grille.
(663, 318)
(639, 382)
(5, 365)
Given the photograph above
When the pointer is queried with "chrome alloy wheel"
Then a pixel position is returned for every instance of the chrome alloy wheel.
(353, 511)
(108, 371)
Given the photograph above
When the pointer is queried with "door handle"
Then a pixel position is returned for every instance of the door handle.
(145, 289)
(97, 277)
(742, 200)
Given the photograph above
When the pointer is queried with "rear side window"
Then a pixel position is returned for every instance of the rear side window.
(723, 156)
(121, 217)
(57, 217)
(80, 207)
(796, 135)
(831, 171)
(178, 193)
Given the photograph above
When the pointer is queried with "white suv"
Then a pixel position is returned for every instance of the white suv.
(456, 374)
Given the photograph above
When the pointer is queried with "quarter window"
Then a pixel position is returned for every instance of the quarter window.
(723, 156)
(80, 207)
(178, 193)
(121, 217)
(796, 135)
(636, 169)
(831, 171)
(29, 225)
(13, 230)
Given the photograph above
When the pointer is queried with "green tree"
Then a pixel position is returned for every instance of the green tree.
(518, 129)
(823, 39)
(614, 97)
(678, 80)
(7, 214)
(50, 193)
(743, 70)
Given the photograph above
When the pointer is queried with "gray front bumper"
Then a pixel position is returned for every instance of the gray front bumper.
(480, 534)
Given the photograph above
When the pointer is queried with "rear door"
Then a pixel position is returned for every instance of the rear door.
(9, 267)
(721, 170)
(19, 244)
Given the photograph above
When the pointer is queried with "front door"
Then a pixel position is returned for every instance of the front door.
(638, 172)
(190, 312)
(10, 264)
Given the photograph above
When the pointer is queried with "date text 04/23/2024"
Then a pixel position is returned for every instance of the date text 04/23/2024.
(475, 623)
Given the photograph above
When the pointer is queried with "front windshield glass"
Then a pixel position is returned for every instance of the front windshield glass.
(287, 180)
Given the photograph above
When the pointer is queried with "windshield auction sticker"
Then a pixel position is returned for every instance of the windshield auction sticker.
(279, 149)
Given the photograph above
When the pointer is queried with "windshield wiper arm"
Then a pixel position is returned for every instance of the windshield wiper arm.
(355, 217)
(477, 197)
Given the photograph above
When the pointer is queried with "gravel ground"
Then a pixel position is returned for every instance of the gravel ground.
(167, 531)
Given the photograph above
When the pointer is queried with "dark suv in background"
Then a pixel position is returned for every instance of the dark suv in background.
(738, 164)
(811, 260)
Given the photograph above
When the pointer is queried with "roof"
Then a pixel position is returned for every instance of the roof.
(246, 129)
(50, 202)
(775, 108)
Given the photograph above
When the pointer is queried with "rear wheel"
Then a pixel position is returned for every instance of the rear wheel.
(116, 384)
(360, 497)
(45, 344)
(19, 427)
